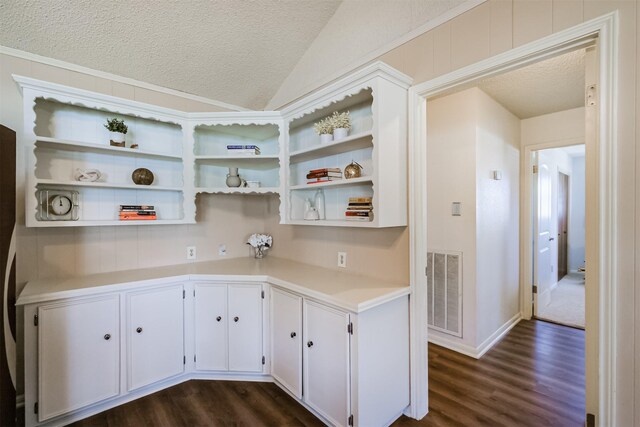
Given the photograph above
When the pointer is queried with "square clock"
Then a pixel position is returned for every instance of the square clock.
(57, 205)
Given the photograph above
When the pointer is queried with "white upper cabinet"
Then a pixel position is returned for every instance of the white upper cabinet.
(65, 133)
(190, 153)
(248, 141)
(376, 99)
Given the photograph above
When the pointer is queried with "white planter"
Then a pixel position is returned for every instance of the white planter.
(326, 138)
(340, 133)
(117, 138)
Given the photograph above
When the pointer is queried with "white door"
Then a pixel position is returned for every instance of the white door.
(245, 328)
(211, 322)
(155, 335)
(286, 340)
(326, 362)
(79, 356)
(542, 236)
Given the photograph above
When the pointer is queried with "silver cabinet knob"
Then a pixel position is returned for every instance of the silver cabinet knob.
(219, 318)
(293, 334)
(139, 330)
(310, 344)
(107, 337)
(235, 319)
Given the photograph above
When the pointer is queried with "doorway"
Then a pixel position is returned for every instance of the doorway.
(601, 256)
(558, 190)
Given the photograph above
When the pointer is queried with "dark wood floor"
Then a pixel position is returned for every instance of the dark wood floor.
(533, 377)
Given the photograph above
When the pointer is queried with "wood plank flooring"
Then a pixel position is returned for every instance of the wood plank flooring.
(533, 377)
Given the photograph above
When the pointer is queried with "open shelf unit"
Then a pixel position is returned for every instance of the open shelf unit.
(213, 133)
(376, 99)
(65, 131)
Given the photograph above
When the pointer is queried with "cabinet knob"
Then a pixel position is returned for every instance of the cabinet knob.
(107, 337)
(310, 344)
(139, 330)
(235, 319)
(219, 318)
(293, 334)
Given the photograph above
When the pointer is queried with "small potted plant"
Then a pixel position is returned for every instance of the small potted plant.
(324, 128)
(117, 130)
(341, 123)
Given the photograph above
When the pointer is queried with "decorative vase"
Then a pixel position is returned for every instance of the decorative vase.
(340, 133)
(325, 138)
(259, 252)
(142, 176)
(233, 179)
(117, 139)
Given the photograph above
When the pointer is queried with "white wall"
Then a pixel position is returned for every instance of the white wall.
(576, 214)
(469, 136)
(497, 216)
(451, 162)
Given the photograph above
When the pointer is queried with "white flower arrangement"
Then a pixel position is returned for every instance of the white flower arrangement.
(340, 120)
(260, 241)
(324, 126)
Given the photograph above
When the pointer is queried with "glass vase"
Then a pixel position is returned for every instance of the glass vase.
(259, 252)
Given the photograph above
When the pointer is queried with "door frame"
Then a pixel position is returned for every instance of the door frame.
(567, 211)
(603, 240)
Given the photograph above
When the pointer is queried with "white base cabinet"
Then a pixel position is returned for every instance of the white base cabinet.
(79, 357)
(155, 335)
(348, 368)
(228, 327)
(85, 353)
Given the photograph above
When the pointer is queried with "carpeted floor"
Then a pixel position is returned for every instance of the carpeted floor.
(567, 302)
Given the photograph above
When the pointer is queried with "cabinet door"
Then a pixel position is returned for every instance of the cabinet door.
(245, 328)
(326, 362)
(286, 340)
(155, 335)
(79, 354)
(211, 323)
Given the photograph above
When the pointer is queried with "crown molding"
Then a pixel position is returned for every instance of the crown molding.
(4, 50)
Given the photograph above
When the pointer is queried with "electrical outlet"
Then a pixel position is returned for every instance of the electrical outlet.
(342, 259)
(191, 252)
(222, 250)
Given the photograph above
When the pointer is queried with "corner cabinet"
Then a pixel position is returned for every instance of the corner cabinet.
(191, 153)
(376, 99)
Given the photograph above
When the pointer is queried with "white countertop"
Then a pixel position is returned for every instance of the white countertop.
(355, 293)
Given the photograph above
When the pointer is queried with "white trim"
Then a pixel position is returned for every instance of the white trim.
(479, 351)
(4, 50)
(605, 28)
(372, 56)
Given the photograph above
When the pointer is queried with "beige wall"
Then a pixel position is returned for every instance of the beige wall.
(499, 25)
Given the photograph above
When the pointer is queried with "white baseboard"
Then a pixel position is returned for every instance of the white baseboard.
(479, 351)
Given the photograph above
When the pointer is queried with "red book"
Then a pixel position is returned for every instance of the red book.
(128, 217)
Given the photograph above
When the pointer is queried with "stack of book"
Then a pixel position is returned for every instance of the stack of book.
(237, 150)
(137, 212)
(317, 176)
(359, 209)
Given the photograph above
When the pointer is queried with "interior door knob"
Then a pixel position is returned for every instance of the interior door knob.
(310, 344)
(235, 319)
(139, 330)
(293, 334)
(107, 337)
(218, 318)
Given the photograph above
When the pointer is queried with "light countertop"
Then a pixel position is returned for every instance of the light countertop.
(355, 293)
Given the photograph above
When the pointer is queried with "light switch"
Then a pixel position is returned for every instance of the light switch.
(497, 175)
(456, 209)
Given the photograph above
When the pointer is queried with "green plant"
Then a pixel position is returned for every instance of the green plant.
(324, 126)
(341, 120)
(115, 125)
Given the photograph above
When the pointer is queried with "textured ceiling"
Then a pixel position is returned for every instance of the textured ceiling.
(234, 51)
(556, 84)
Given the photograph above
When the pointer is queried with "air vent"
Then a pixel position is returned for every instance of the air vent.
(444, 292)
